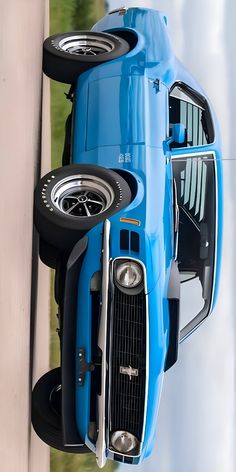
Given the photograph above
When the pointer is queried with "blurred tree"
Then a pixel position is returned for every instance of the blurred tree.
(83, 17)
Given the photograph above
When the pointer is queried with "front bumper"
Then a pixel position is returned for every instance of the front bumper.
(79, 397)
(102, 344)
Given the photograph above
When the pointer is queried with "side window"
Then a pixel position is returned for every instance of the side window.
(190, 109)
(196, 196)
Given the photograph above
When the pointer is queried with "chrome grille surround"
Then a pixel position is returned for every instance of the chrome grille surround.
(132, 311)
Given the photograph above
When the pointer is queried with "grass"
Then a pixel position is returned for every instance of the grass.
(61, 462)
(62, 19)
(67, 16)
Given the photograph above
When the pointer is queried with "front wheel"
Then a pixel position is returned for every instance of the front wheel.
(71, 200)
(67, 55)
(46, 412)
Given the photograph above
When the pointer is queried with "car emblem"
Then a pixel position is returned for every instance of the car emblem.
(129, 371)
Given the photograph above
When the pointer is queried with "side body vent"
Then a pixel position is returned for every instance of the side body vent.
(134, 241)
(129, 241)
(124, 240)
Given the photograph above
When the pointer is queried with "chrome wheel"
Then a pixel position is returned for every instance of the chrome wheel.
(67, 55)
(86, 45)
(82, 196)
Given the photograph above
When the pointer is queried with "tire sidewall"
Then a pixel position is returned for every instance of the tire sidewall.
(41, 395)
(66, 67)
(51, 45)
(46, 422)
(59, 229)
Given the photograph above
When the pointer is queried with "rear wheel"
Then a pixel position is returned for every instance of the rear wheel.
(71, 200)
(46, 412)
(67, 55)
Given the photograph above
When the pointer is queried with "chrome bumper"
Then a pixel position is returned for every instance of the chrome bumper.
(102, 343)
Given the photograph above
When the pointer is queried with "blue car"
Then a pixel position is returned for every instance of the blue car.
(132, 225)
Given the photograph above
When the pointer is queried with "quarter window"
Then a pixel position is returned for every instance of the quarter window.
(190, 109)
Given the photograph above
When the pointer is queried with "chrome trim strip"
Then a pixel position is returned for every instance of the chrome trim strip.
(102, 343)
(147, 354)
(176, 228)
(176, 156)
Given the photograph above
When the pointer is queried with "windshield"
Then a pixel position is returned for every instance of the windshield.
(195, 182)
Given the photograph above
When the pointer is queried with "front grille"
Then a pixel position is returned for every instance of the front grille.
(128, 351)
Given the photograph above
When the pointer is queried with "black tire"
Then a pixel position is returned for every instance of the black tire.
(62, 63)
(48, 254)
(62, 230)
(45, 419)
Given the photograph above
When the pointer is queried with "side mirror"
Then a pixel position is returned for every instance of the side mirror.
(178, 136)
(178, 133)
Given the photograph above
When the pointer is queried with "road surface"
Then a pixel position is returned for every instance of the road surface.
(24, 283)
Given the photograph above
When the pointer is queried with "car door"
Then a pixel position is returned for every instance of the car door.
(195, 178)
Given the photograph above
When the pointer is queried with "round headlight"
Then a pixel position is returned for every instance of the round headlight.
(129, 274)
(123, 441)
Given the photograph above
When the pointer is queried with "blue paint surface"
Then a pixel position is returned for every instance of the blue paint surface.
(121, 122)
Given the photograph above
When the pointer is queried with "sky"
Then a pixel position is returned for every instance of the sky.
(196, 421)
